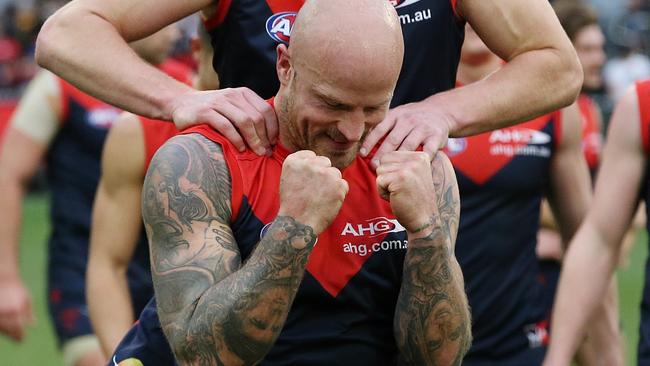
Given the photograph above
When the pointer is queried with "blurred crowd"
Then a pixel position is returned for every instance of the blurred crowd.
(20, 22)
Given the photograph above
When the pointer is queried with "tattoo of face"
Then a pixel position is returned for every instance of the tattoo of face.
(431, 319)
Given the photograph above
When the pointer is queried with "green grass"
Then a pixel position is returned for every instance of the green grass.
(39, 348)
(630, 287)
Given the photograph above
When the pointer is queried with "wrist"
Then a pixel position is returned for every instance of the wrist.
(442, 104)
(299, 234)
(8, 274)
(423, 229)
(172, 99)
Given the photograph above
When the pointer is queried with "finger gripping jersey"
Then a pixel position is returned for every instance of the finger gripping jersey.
(343, 311)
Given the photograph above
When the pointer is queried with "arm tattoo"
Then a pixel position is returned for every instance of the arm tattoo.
(213, 309)
(432, 323)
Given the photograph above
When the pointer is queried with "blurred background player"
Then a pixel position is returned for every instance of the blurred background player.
(593, 254)
(117, 219)
(503, 176)
(58, 122)
(245, 36)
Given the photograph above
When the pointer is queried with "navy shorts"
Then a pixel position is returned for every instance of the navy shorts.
(68, 307)
(145, 341)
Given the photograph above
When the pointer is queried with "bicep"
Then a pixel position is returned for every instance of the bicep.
(186, 210)
(511, 27)
(135, 19)
(620, 174)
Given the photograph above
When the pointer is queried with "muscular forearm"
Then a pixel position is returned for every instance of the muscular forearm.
(432, 322)
(111, 316)
(588, 257)
(238, 319)
(11, 197)
(114, 74)
(528, 86)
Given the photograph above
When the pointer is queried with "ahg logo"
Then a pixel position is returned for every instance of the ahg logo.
(373, 227)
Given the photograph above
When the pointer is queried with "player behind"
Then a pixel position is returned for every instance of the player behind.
(294, 258)
(542, 73)
(117, 220)
(57, 122)
(581, 25)
(503, 177)
(592, 257)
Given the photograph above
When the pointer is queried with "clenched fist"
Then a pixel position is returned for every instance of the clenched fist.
(404, 179)
(311, 190)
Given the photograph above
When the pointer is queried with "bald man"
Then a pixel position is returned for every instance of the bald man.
(294, 258)
(542, 73)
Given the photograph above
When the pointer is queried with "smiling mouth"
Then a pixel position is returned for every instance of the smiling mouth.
(341, 145)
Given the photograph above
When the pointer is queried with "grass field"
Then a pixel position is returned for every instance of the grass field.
(39, 349)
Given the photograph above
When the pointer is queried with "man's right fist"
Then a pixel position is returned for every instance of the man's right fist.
(311, 190)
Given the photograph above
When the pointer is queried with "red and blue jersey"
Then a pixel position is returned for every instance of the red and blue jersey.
(502, 177)
(343, 311)
(245, 34)
(592, 139)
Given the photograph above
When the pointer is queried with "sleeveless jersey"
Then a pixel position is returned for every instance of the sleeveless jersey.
(643, 96)
(245, 34)
(592, 140)
(73, 171)
(343, 311)
(155, 133)
(502, 176)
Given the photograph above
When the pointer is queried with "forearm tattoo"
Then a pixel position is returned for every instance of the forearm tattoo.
(432, 323)
(213, 309)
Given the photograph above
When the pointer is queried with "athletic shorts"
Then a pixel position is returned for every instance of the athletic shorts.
(145, 342)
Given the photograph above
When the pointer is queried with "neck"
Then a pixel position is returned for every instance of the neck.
(284, 133)
(472, 72)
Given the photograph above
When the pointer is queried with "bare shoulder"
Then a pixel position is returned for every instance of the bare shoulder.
(193, 168)
(625, 125)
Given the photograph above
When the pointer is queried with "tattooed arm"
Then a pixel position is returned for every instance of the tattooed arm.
(432, 321)
(213, 309)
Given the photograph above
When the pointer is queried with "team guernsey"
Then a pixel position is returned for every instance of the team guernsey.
(592, 140)
(73, 171)
(643, 95)
(245, 34)
(343, 311)
(502, 177)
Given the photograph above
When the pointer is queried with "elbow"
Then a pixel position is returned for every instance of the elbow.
(51, 43)
(570, 77)
(47, 40)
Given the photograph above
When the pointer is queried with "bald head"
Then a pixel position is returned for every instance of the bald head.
(338, 75)
(345, 37)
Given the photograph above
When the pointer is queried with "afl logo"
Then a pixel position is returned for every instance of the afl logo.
(402, 3)
(456, 146)
(279, 25)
